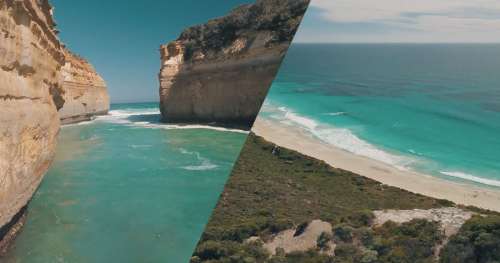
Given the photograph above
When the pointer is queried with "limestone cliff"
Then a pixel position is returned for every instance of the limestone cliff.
(30, 61)
(221, 71)
(84, 91)
(38, 77)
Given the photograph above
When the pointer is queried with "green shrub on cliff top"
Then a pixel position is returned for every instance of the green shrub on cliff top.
(477, 241)
(412, 241)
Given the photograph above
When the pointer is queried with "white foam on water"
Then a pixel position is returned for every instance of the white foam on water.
(78, 124)
(137, 146)
(123, 117)
(203, 166)
(470, 177)
(340, 113)
(344, 139)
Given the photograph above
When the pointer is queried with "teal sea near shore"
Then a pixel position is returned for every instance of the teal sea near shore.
(433, 108)
(125, 188)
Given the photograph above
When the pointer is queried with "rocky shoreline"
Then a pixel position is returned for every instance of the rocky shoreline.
(221, 71)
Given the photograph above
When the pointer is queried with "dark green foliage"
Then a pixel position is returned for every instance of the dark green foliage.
(348, 253)
(323, 240)
(477, 241)
(365, 235)
(413, 241)
(302, 257)
(343, 233)
(228, 251)
(269, 193)
(361, 218)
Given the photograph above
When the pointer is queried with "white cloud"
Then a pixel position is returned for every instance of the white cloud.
(418, 20)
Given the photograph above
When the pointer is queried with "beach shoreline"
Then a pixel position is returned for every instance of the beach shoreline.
(459, 193)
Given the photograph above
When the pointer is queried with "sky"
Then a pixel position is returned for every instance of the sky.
(414, 21)
(122, 38)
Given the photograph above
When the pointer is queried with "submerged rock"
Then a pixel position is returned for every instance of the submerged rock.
(221, 71)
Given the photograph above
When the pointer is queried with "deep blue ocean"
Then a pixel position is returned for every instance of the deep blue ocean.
(126, 188)
(434, 108)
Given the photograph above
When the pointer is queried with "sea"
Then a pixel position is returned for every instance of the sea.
(126, 188)
(431, 108)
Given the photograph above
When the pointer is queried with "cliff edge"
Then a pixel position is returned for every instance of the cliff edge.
(221, 71)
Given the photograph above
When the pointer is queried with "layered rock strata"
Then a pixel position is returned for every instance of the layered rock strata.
(38, 77)
(30, 61)
(84, 92)
(221, 71)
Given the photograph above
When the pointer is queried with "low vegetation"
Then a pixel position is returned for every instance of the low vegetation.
(271, 190)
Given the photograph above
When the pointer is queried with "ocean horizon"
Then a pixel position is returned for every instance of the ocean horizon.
(126, 188)
(430, 108)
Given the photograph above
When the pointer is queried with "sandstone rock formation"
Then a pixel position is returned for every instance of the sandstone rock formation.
(221, 71)
(30, 61)
(84, 91)
(38, 77)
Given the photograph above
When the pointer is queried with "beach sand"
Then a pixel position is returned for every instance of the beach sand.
(294, 139)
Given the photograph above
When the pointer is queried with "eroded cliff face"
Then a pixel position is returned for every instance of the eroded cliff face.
(40, 83)
(84, 92)
(221, 71)
(30, 63)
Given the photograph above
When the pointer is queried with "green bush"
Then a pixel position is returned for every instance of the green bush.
(365, 236)
(323, 240)
(361, 218)
(369, 256)
(343, 232)
(347, 253)
(229, 251)
(413, 241)
(307, 257)
(477, 241)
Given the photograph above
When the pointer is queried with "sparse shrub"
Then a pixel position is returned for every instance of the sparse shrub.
(361, 218)
(310, 256)
(211, 250)
(477, 241)
(343, 232)
(347, 253)
(280, 225)
(365, 236)
(369, 256)
(413, 241)
(323, 240)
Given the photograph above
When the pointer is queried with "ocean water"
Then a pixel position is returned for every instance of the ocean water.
(430, 108)
(125, 188)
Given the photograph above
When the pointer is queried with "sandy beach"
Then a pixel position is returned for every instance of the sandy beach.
(295, 139)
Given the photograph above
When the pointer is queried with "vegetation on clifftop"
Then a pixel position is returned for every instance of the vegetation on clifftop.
(273, 190)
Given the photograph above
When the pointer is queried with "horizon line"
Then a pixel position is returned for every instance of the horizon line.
(402, 42)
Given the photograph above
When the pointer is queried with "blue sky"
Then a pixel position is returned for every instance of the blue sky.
(414, 21)
(121, 38)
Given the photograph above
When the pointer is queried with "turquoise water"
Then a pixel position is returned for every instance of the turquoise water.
(431, 108)
(125, 188)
